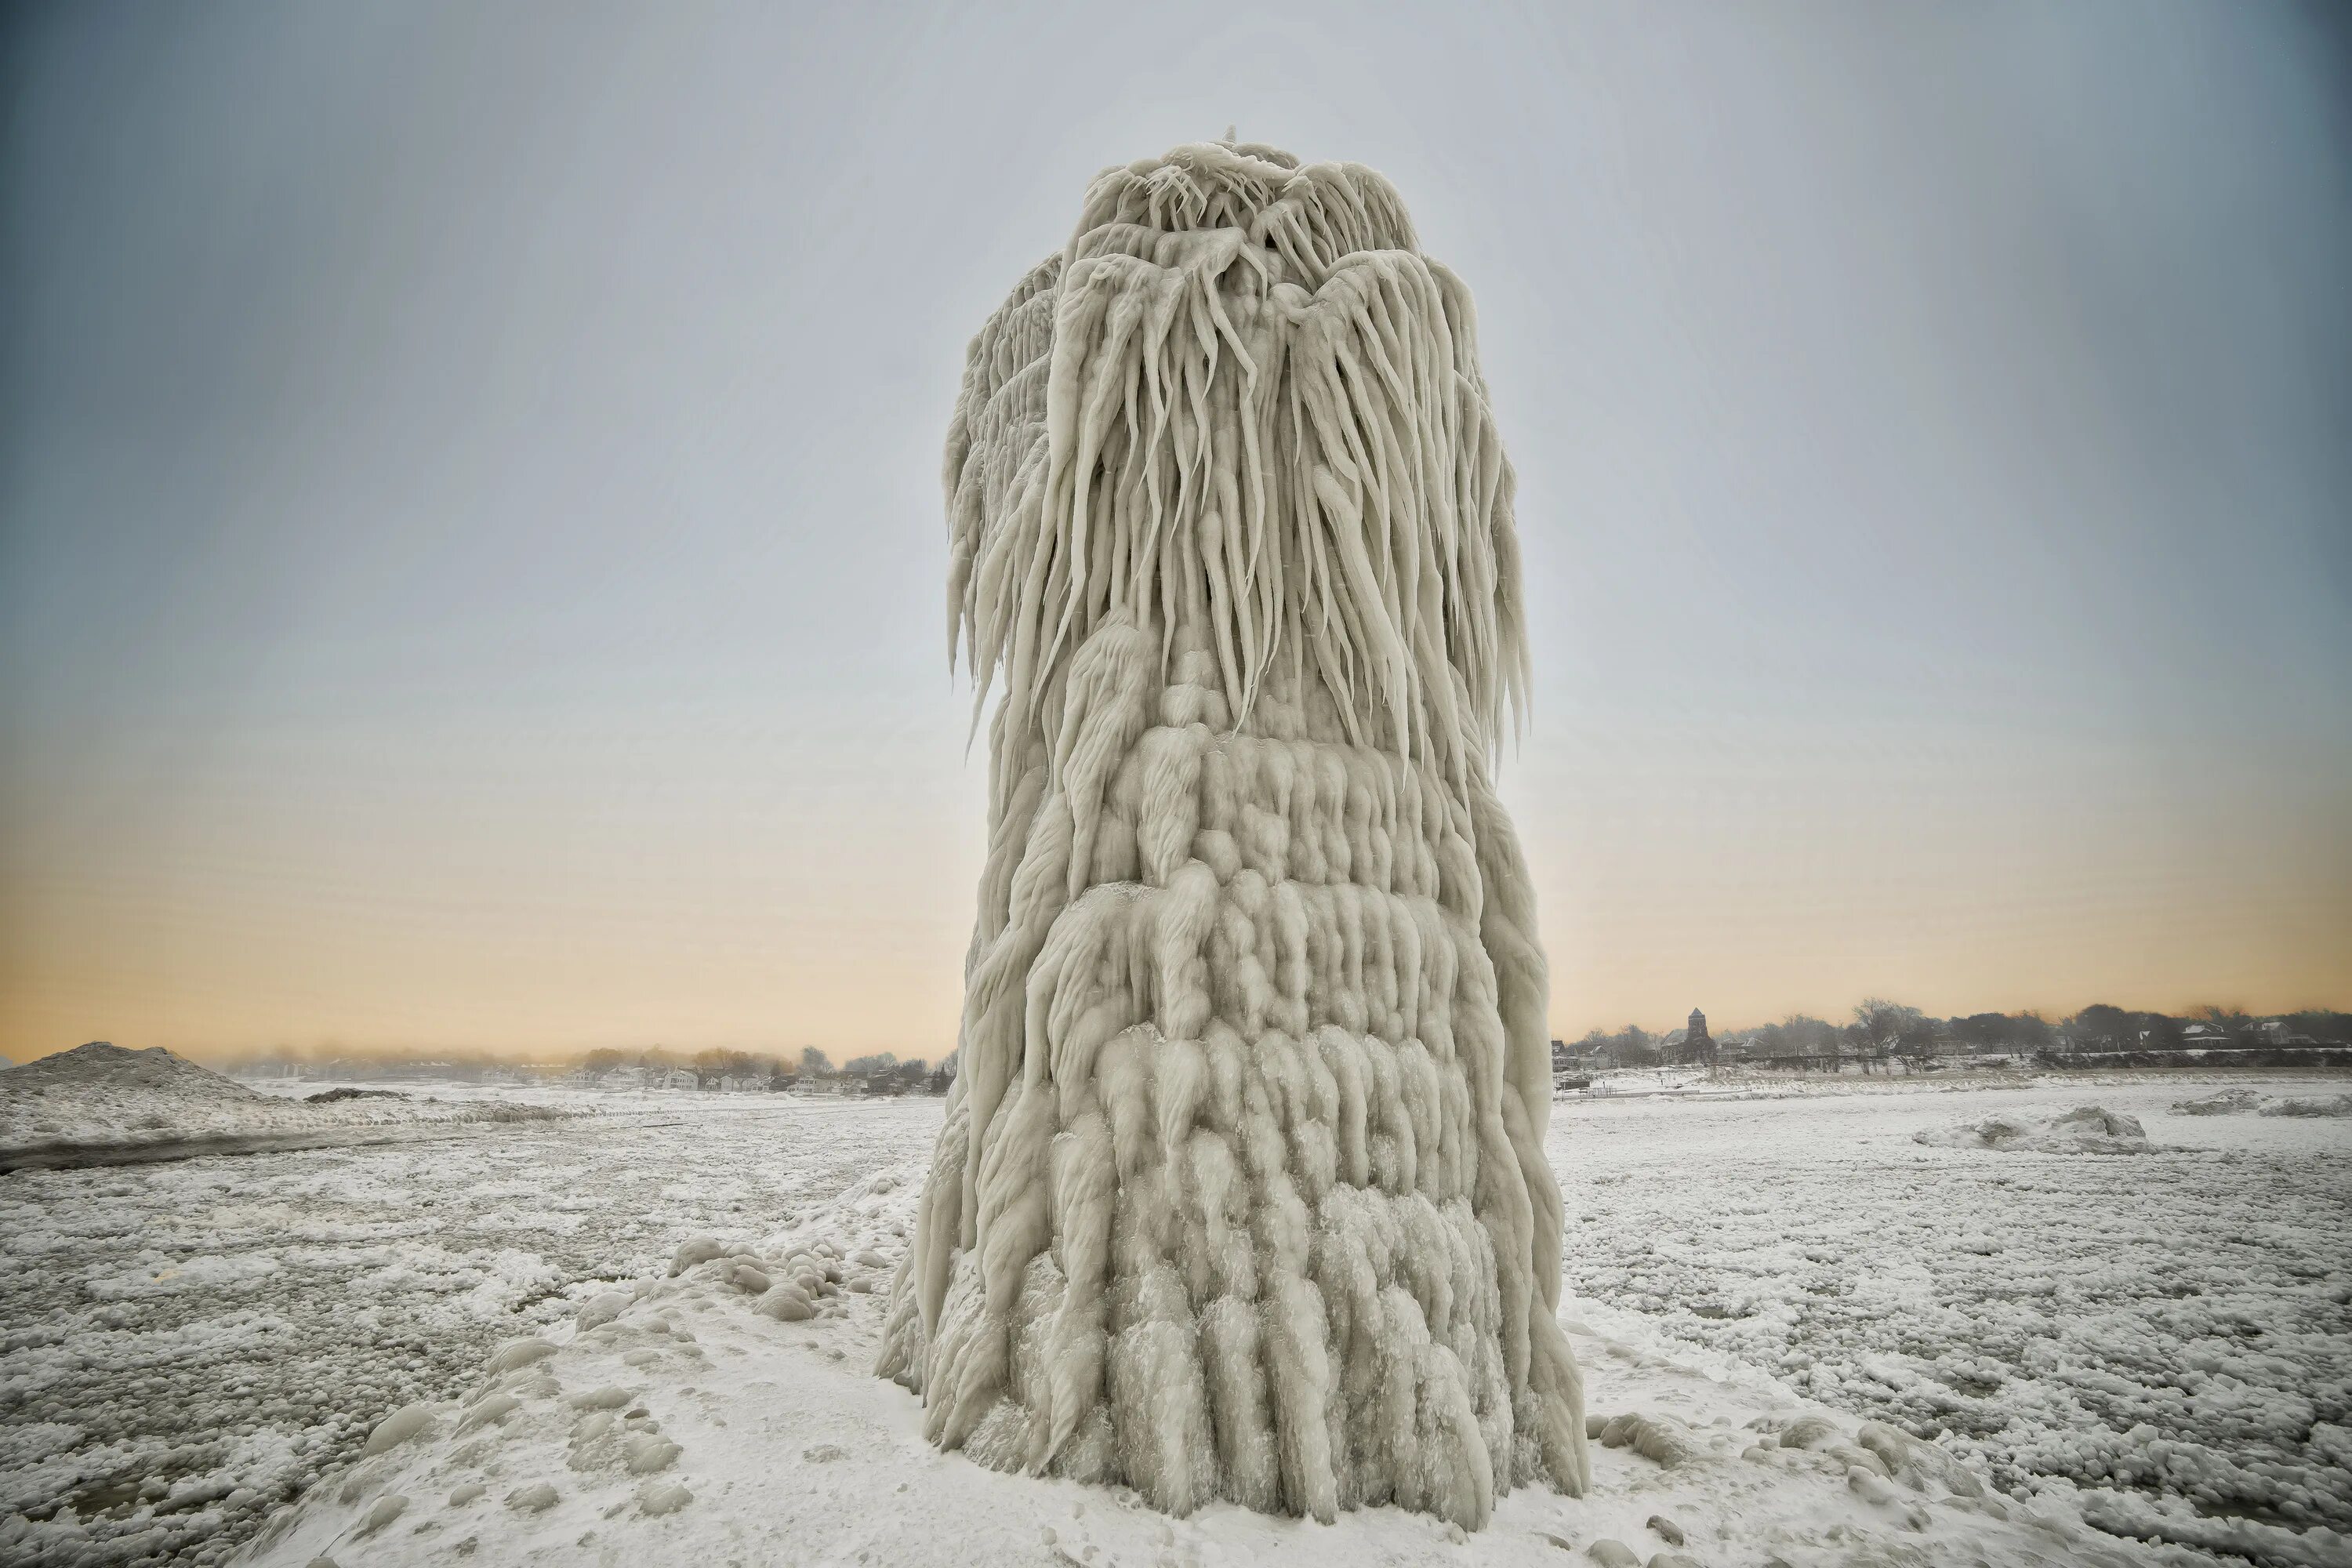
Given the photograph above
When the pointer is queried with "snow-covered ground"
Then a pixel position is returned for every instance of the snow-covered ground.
(2160, 1340)
(2146, 1340)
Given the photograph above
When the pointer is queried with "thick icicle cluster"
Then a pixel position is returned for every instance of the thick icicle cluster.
(1241, 1192)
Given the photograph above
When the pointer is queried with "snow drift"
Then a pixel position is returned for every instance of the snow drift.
(2226, 1102)
(1241, 1192)
(2334, 1105)
(2235, 1101)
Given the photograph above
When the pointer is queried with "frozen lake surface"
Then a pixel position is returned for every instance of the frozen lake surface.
(2170, 1325)
(2159, 1340)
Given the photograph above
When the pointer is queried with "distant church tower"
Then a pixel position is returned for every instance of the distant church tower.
(1697, 1045)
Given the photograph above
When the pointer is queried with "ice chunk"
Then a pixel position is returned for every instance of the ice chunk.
(657, 1497)
(695, 1249)
(408, 1421)
(382, 1513)
(603, 1310)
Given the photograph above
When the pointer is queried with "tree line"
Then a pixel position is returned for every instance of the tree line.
(709, 1066)
(1881, 1030)
(812, 1065)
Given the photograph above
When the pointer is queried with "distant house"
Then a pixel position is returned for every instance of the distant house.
(677, 1078)
(740, 1083)
(623, 1078)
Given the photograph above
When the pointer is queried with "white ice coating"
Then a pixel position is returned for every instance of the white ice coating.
(1241, 1192)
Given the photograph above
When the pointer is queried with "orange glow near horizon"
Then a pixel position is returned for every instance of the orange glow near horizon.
(520, 921)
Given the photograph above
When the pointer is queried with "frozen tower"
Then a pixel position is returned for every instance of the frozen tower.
(1241, 1192)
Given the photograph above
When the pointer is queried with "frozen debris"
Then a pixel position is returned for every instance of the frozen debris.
(1658, 1438)
(470, 1493)
(2338, 1105)
(603, 1310)
(487, 1411)
(609, 1397)
(2234, 1101)
(656, 1498)
(645, 1452)
(695, 1250)
(536, 1498)
(408, 1421)
(1665, 1528)
(2228, 1102)
(517, 1353)
(1611, 1552)
(383, 1511)
(786, 1304)
(2086, 1129)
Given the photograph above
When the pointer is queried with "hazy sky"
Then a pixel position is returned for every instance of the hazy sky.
(472, 557)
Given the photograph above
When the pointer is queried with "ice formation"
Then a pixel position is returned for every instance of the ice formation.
(1241, 1192)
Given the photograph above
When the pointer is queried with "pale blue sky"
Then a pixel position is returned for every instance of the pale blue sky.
(470, 557)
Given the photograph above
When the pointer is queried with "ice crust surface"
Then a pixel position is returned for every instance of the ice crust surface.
(2096, 1339)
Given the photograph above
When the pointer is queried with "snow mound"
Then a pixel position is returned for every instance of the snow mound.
(101, 1066)
(2229, 1102)
(2236, 1101)
(2340, 1105)
(101, 1097)
(2085, 1130)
